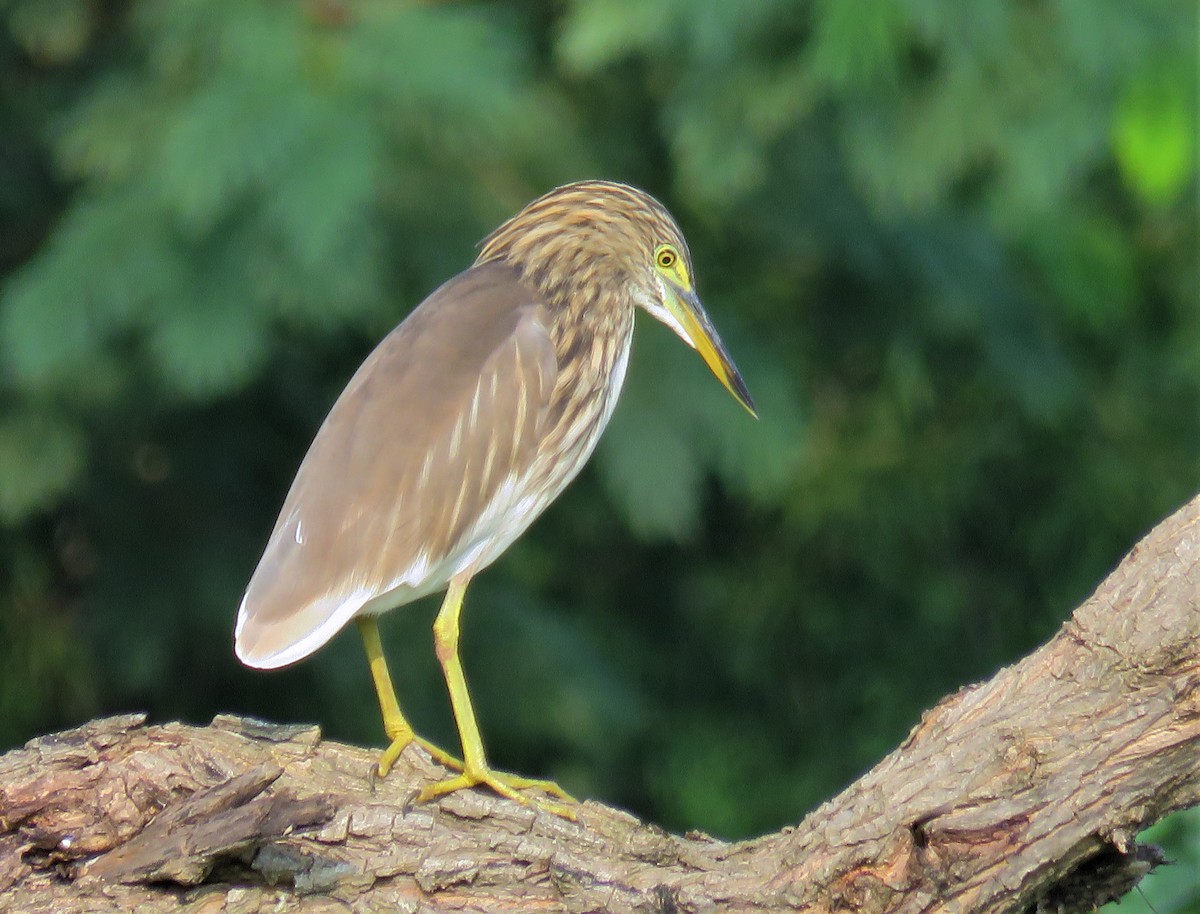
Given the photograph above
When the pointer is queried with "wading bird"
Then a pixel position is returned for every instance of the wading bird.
(456, 433)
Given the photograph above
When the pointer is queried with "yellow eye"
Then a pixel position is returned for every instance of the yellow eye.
(666, 258)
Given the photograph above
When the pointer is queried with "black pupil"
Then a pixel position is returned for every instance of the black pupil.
(666, 259)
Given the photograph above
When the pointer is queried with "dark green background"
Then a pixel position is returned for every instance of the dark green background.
(952, 245)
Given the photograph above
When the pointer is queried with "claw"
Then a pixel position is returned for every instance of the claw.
(507, 785)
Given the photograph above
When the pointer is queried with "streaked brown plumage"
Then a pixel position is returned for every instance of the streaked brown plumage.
(462, 426)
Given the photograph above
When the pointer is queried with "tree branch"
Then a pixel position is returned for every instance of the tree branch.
(1023, 793)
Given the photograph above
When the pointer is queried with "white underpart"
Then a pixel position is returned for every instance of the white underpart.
(342, 607)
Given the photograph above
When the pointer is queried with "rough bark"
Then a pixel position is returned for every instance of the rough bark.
(1023, 793)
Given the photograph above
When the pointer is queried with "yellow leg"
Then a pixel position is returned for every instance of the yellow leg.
(475, 767)
(398, 730)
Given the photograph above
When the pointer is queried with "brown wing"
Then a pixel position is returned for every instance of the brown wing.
(446, 409)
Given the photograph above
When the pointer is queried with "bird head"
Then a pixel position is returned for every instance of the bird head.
(588, 239)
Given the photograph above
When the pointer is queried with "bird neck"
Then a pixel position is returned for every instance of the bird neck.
(592, 340)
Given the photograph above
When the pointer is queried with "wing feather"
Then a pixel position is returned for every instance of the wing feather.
(448, 409)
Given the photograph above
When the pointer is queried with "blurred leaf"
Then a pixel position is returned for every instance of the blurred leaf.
(41, 458)
(227, 141)
(594, 34)
(710, 771)
(857, 44)
(719, 163)
(38, 644)
(53, 31)
(210, 343)
(649, 465)
(1154, 130)
(1089, 269)
(109, 263)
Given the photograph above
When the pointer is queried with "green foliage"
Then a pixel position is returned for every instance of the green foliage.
(952, 246)
(1154, 132)
(41, 457)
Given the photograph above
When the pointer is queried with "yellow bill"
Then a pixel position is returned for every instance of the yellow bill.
(698, 332)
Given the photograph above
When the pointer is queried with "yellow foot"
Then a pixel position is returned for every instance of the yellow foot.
(402, 741)
(507, 785)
